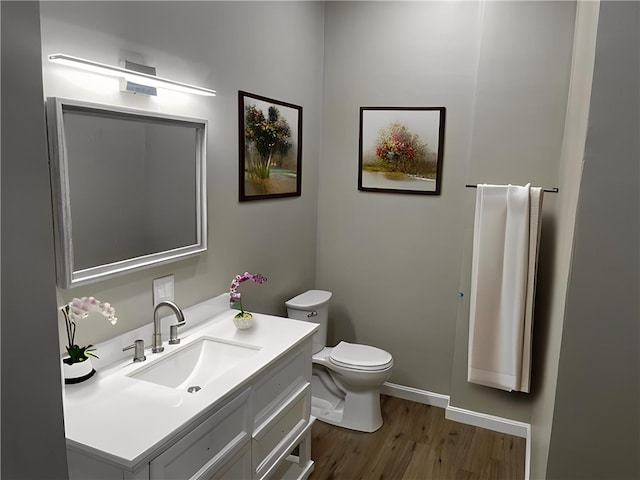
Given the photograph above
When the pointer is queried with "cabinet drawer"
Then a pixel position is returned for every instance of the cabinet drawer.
(286, 376)
(280, 430)
(237, 467)
(209, 445)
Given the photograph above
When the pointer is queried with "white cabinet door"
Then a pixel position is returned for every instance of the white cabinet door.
(282, 411)
(276, 386)
(208, 447)
(237, 467)
(276, 436)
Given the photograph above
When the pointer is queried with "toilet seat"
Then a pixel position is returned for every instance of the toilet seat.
(360, 357)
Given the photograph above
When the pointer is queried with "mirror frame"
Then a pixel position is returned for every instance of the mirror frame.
(67, 276)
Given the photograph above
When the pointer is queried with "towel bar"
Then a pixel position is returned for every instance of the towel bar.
(548, 190)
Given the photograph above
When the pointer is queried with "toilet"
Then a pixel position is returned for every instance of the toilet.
(346, 379)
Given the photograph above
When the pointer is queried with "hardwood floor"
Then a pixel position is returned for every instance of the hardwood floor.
(415, 442)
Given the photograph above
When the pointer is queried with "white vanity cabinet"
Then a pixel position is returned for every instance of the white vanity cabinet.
(261, 430)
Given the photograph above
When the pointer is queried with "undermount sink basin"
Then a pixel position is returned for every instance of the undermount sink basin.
(195, 365)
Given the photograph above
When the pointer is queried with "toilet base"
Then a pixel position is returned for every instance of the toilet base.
(327, 412)
(356, 410)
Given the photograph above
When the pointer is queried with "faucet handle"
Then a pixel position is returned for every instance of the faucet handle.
(173, 333)
(138, 355)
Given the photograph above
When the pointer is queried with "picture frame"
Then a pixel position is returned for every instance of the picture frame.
(270, 150)
(401, 149)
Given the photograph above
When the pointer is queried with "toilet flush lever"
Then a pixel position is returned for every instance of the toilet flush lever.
(312, 314)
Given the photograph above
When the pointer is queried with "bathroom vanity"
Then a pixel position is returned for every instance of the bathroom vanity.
(224, 403)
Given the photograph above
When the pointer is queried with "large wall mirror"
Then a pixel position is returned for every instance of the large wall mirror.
(128, 186)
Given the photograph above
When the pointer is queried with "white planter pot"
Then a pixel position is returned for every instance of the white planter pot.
(77, 372)
(244, 322)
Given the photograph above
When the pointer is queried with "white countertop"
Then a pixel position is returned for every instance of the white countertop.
(128, 421)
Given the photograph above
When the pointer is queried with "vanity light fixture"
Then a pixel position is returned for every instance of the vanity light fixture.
(129, 75)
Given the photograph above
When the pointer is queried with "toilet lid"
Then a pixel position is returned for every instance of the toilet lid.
(363, 357)
(309, 299)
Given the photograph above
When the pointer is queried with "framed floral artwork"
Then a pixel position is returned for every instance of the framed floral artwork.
(270, 134)
(401, 149)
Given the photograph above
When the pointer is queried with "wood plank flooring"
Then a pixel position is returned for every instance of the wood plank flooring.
(415, 442)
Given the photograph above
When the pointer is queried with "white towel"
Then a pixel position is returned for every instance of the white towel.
(502, 286)
(535, 223)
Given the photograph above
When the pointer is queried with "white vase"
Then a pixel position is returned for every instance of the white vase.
(77, 372)
(243, 322)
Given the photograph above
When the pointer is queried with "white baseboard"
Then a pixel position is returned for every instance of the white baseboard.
(490, 422)
(469, 417)
(415, 395)
(482, 420)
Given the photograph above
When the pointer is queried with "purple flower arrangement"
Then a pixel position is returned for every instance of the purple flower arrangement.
(236, 297)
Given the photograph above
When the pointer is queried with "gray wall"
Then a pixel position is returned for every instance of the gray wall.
(397, 262)
(559, 239)
(271, 49)
(596, 421)
(391, 260)
(394, 262)
(33, 444)
(519, 116)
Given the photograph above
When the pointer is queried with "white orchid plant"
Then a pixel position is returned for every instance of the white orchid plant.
(78, 309)
(236, 297)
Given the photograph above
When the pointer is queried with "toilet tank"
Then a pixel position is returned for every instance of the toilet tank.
(312, 306)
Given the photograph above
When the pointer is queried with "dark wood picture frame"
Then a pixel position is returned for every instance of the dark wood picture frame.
(270, 151)
(401, 149)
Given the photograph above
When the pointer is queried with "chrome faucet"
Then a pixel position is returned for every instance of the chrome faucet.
(156, 346)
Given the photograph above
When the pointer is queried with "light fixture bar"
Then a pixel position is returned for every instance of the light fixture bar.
(129, 75)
